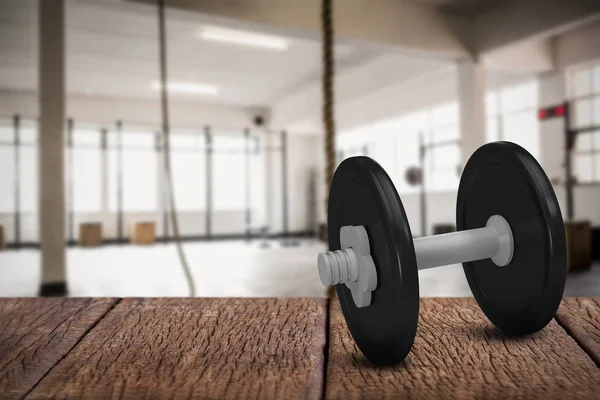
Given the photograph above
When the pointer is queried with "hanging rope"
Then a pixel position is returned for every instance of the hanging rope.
(167, 150)
(328, 100)
(328, 94)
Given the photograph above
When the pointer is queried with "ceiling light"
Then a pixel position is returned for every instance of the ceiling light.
(243, 38)
(186, 87)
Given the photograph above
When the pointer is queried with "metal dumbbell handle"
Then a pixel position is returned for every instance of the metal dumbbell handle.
(494, 241)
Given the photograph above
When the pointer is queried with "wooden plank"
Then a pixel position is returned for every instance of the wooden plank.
(580, 316)
(202, 348)
(36, 333)
(459, 354)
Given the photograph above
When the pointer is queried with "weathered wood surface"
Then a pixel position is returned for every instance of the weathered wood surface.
(580, 316)
(36, 333)
(201, 348)
(274, 348)
(459, 354)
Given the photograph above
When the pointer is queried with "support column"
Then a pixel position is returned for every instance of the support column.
(471, 104)
(51, 147)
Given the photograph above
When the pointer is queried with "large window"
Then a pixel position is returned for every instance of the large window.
(86, 175)
(258, 174)
(188, 168)
(229, 173)
(113, 168)
(443, 156)
(139, 171)
(395, 144)
(354, 142)
(7, 167)
(412, 131)
(121, 171)
(584, 92)
(28, 167)
(19, 175)
(511, 115)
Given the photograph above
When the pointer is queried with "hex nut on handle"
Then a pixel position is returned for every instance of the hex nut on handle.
(353, 265)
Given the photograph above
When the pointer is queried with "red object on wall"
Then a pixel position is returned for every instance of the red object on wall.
(560, 111)
(551, 112)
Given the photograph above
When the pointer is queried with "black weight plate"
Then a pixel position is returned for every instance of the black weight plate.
(503, 178)
(363, 194)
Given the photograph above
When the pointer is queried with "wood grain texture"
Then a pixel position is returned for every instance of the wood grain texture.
(580, 316)
(36, 333)
(458, 353)
(200, 348)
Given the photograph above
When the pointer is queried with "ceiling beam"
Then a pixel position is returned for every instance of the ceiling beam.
(410, 26)
(532, 56)
(519, 21)
(352, 84)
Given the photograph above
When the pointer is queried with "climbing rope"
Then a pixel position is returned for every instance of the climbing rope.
(328, 100)
(167, 151)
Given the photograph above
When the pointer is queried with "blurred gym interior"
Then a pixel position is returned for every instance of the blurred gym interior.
(94, 94)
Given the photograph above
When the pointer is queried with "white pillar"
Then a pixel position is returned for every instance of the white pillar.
(471, 104)
(51, 146)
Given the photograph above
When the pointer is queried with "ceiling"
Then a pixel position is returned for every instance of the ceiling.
(112, 51)
(469, 8)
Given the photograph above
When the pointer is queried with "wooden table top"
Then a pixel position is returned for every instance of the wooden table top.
(282, 348)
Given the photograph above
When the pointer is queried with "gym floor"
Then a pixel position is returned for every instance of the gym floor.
(222, 269)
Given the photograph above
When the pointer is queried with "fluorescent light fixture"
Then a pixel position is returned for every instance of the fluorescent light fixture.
(187, 87)
(245, 38)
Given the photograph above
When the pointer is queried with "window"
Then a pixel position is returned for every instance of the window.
(28, 168)
(228, 169)
(511, 115)
(257, 180)
(113, 169)
(188, 169)
(394, 143)
(585, 105)
(407, 156)
(7, 167)
(87, 170)
(442, 159)
(382, 147)
(138, 171)
(352, 143)
(19, 165)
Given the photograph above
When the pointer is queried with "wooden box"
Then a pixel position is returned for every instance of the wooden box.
(90, 234)
(579, 244)
(143, 232)
(2, 241)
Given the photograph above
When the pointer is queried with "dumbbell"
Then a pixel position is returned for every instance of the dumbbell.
(510, 239)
